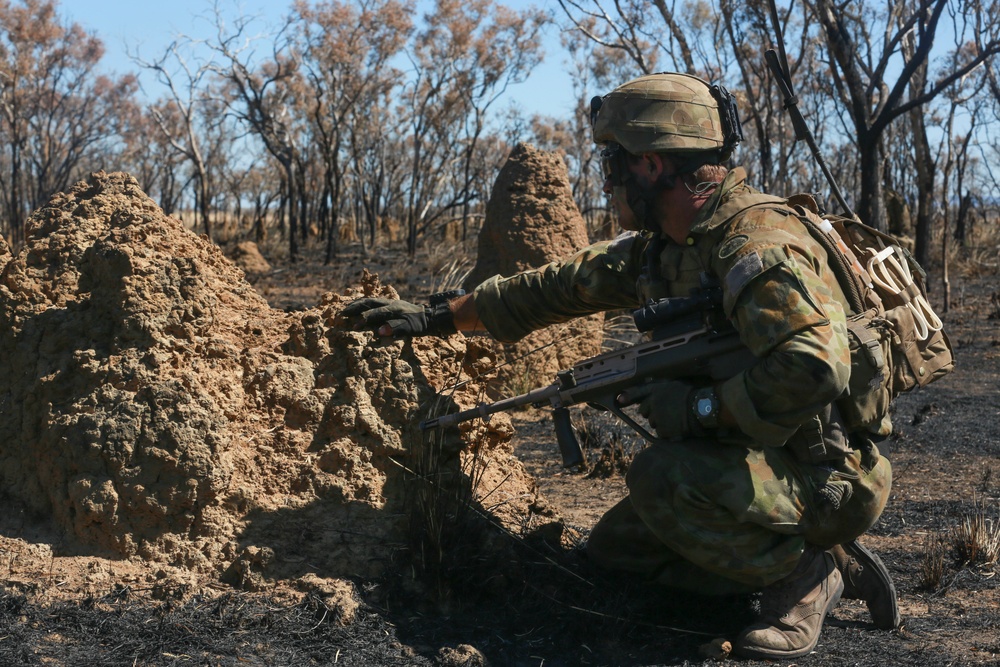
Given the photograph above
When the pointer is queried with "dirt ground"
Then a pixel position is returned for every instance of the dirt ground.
(531, 599)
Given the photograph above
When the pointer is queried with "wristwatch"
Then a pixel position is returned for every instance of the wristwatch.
(705, 406)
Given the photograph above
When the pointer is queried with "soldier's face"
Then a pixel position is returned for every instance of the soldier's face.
(615, 189)
(618, 202)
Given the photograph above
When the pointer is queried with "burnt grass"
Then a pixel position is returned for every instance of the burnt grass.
(534, 600)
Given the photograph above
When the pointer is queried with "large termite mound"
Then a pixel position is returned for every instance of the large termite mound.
(532, 220)
(153, 406)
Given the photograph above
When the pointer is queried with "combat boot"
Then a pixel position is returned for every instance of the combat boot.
(793, 609)
(866, 578)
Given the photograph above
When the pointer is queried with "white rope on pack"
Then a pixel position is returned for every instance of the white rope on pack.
(831, 231)
(891, 272)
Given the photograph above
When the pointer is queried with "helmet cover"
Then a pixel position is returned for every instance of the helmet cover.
(667, 113)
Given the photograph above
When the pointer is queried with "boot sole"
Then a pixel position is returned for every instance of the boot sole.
(883, 619)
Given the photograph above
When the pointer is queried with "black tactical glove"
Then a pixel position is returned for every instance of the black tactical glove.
(666, 404)
(404, 318)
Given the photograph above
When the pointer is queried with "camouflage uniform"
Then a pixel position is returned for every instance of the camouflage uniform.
(732, 512)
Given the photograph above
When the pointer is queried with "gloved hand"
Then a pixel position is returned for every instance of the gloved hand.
(666, 405)
(398, 318)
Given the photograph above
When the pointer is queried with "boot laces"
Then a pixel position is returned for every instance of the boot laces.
(780, 599)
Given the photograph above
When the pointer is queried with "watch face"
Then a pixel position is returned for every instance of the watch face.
(706, 407)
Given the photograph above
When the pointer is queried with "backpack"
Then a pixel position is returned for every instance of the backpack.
(897, 341)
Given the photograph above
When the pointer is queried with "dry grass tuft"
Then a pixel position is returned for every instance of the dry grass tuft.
(932, 565)
(976, 540)
(978, 257)
(611, 444)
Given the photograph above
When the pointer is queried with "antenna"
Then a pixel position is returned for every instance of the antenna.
(778, 64)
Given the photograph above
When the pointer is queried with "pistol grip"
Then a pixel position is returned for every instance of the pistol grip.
(569, 446)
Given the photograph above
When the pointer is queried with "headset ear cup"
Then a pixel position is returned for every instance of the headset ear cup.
(729, 117)
(595, 106)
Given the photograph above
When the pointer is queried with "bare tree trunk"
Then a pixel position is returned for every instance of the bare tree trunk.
(203, 205)
(925, 187)
(945, 285)
(291, 218)
(961, 220)
(16, 214)
(678, 34)
(332, 228)
(871, 206)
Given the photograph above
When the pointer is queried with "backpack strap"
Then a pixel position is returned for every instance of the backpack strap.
(804, 208)
(857, 292)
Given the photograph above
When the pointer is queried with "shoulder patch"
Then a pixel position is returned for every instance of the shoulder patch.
(733, 244)
(743, 271)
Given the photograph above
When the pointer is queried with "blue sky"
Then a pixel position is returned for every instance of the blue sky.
(147, 27)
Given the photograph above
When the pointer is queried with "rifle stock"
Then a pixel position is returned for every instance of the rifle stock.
(683, 347)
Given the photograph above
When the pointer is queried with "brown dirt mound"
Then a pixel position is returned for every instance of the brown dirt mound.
(156, 408)
(531, 220)
(531, 217)
(247, 256)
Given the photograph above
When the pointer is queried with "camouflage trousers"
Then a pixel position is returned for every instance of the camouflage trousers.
(724, 519)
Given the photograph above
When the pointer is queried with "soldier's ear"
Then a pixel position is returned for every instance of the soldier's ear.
(654, 164)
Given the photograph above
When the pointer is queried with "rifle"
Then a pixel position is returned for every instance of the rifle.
(686, 343)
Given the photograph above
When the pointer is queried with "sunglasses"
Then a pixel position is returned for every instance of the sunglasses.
(614, 163)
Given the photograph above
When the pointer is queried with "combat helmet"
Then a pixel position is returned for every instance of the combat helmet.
(668, 113)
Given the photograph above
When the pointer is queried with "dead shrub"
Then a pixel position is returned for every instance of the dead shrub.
(976, 539)
(979, 256)
(973, 541)
(932, 565)
(611, 444)
(450, 274)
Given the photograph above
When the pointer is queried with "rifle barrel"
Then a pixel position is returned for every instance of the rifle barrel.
(541, 395)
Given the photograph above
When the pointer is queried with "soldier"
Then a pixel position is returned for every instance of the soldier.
(756, 483)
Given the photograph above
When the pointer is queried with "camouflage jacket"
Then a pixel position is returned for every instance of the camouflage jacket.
(778, 291)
